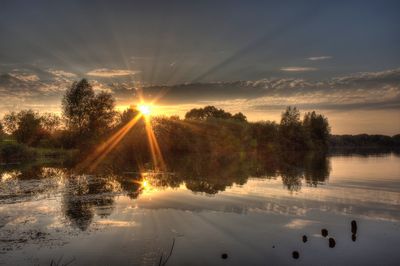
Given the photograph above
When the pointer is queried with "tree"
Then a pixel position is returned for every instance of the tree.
(211, 112)
(239, 117)
(29, 130)
(10, 122)
(50, 122)
(290, 130)
(317, 130)
(127, 115)
(101, 114)
(77, 104)
(264, 134)
(85, 112)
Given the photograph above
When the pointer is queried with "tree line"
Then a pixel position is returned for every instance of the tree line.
(88, 118)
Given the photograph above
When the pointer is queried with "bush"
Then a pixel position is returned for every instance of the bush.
(15, 152)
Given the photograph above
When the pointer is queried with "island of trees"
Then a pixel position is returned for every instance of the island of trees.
(88, 119)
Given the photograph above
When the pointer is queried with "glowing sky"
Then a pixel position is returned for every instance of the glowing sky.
(338, 57)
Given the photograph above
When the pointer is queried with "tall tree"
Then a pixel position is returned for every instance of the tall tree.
(77, 104)
(85, 112)
(317, 130)
(291, 133)
(102, 113)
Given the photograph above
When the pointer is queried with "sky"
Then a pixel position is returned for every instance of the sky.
(341, 58)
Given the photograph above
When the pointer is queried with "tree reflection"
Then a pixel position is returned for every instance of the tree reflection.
(85, 196)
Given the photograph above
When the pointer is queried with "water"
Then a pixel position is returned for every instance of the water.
(255, 213)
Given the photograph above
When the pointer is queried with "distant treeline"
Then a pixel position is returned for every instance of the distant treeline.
(364, 140)
(89, 119)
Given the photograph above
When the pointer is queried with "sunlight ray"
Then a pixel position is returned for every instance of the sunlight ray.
(93, 160)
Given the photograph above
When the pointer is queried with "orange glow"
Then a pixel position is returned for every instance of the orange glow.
(144, 109)
(93, 160)
(155, 150)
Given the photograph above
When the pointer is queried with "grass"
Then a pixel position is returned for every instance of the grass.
(12, 152)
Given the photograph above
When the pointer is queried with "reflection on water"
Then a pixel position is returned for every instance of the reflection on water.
(242, 204)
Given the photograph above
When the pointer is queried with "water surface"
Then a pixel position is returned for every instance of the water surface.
(255, 213)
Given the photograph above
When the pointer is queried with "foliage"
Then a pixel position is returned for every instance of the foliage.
(76, 105)
(1, 131)
(15, 152)
(29, 129)
(364, 140)
(291, 131)
(10, 121)
(50, 122)
(126, 116)
(317, 130)
(87, 114)
(89, 119)
(211, 112)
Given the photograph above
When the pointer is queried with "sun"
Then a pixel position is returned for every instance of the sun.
(144, 109)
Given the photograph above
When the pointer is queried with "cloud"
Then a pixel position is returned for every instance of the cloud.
(108, 73)
(42, 89)
(62, 73)
(25, 77)
(371, 90)
(318, 58)
(298, 69)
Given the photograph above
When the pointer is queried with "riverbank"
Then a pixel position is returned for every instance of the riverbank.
(15, 153)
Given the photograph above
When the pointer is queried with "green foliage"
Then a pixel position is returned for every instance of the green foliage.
(31, 128)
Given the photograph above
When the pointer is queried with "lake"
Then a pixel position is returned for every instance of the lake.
(205, 213)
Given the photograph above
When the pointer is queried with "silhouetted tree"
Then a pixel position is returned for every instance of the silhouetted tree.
(239, 117)
(85, 112)
(29, 129)
(101, 114)
(10, 121)
(316, 129)
(211, 112)
(291, 132)
(264, 135)
(50, 122)
(127, 115)
(77, 105)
